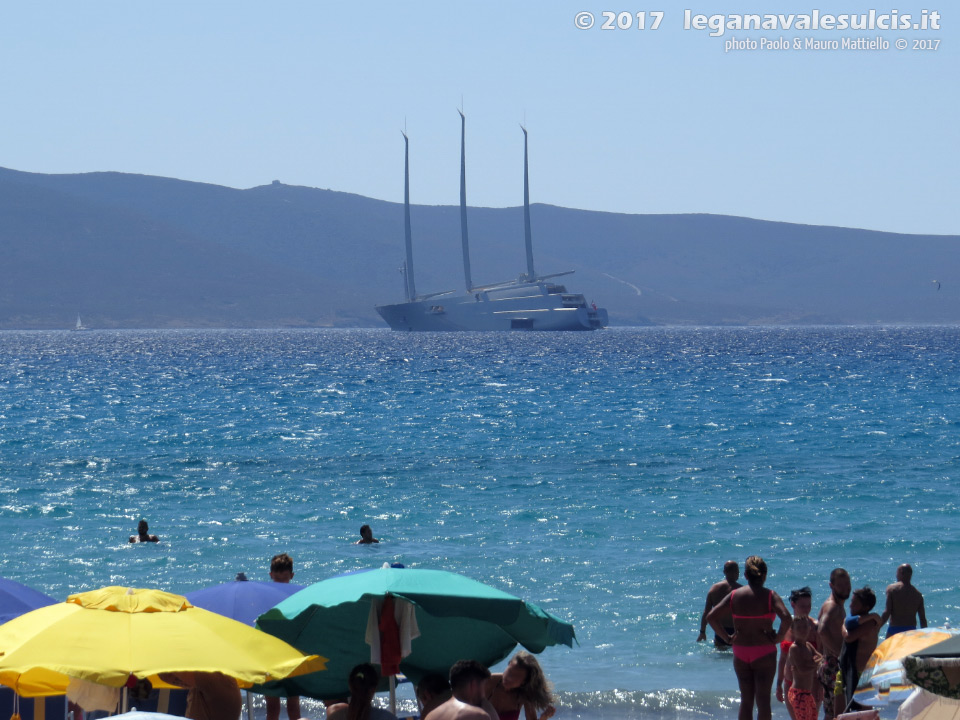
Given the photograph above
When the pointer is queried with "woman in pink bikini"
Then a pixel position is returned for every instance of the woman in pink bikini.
(754, 640)
(521, 686)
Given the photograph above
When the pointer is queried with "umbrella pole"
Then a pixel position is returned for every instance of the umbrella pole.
(393, 695)
(124, 700)
(249, 705)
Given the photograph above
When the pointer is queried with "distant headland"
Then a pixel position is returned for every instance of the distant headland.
(135, 251)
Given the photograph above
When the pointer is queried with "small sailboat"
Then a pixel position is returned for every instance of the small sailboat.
(80, 325)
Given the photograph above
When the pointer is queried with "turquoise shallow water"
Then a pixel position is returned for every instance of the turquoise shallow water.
(606, 476)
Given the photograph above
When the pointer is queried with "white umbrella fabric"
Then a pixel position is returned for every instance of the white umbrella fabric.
(923, 705)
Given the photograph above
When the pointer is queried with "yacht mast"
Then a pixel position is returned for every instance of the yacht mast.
(463, 202)
(407, 236)
(528, 240)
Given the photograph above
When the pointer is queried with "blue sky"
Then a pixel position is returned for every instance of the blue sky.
(655, 121)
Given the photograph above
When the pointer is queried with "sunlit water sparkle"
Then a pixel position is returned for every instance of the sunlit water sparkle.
(605, 476)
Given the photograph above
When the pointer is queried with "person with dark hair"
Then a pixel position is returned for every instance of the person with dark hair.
(860, 636)
(753, 608)
(521, 686)
(904, 604)
(716, 593)
(366, 536)
(802, 668)
(801, 602)
(281, 571)
(281, 568)
(468, 680)
(143, 534)
(362, 682)
(432, 691)
(830, 638)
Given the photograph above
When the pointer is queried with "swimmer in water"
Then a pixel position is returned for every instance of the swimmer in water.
(716, 593)
(904, 604)
(143, 534)
(366, 536)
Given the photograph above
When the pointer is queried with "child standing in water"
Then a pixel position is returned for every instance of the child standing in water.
(802, 669)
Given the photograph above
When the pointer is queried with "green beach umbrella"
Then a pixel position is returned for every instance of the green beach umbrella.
(458, 618)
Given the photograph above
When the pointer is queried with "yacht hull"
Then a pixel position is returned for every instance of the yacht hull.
(523, 307)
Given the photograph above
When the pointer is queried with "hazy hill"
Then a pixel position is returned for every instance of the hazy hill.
(139, 251)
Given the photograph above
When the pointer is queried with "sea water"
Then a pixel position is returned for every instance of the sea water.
(605, 476)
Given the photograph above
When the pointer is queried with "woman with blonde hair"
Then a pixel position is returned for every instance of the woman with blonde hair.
(521, 686)
(754, 608)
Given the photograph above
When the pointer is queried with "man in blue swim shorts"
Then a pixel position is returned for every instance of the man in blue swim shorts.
(904, 604)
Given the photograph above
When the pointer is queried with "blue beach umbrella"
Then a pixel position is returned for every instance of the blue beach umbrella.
(242, 600)
(17, 599)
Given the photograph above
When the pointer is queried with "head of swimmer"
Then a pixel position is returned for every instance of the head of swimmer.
(731, 571)
(840, 583)
(755, 570)
(801, 600)
(281, 568)
(905, 573)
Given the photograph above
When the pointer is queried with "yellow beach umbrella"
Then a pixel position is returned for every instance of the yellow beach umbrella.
(106, 635)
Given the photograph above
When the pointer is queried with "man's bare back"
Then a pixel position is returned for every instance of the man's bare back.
(454, 709)
(904, 606)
